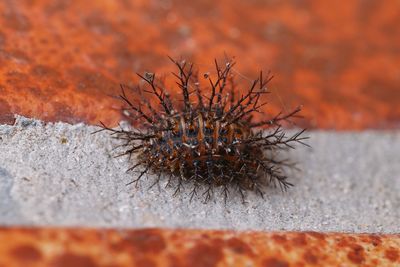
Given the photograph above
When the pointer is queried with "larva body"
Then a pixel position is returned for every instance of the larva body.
(211, 139)
(201, 148)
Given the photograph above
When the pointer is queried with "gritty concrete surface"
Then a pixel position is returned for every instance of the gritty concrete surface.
(61, 174)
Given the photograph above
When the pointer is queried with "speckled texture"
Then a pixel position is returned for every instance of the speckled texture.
(194, 248)
(61, 174)
(60, 60)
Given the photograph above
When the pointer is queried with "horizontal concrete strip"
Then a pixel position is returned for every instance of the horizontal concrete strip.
(61, 174)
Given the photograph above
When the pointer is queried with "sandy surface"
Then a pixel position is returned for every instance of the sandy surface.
(61, 174)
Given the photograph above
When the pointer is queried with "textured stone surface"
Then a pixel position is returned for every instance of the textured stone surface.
(61, 174)
(60, 60)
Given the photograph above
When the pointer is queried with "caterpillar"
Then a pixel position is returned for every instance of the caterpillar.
(210, 138)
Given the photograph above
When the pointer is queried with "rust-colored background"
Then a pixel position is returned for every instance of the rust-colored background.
(194, 248)
(60, 60)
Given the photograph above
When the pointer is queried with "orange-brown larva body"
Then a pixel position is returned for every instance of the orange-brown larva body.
(212, 140)
(193, 146)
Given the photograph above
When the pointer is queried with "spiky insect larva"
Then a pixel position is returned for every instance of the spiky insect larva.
(212, 140)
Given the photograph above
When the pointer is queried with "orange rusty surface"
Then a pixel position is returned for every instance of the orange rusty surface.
(60, 60)
(195, 248)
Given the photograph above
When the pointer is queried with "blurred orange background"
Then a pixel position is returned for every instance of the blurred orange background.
(62, 60)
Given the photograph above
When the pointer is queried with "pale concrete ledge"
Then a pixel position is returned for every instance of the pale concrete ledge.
(60, 174)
